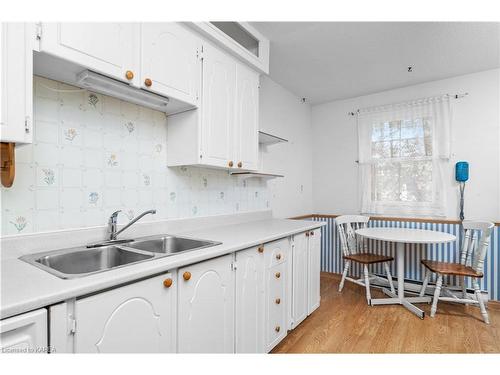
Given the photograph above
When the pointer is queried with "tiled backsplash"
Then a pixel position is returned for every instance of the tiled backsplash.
(93, 154)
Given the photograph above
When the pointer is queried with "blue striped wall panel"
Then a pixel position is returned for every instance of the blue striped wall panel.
(331, 253)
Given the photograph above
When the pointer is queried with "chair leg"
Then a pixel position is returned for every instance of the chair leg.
(344, 274)
(477, 292)
(426, 281)
(389, 277)
(439, 283)
(367, 285)
(464, 288)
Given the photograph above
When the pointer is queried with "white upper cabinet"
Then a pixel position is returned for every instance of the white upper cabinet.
(26, 333)
(247, 120)
(224, 132)
(250, 301)
(137, 318)
(240, 39)
(108, 48)
(16, 82)
(171, 60)
(218, 108)
(206, 307)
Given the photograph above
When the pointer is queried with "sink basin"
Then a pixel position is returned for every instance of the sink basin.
(71, 263)
(169, 245)
(83, 261)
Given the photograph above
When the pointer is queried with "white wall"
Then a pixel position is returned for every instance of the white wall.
(284, 114)
(475, 138)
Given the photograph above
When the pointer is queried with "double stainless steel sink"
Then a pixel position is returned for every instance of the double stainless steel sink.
(82, 261)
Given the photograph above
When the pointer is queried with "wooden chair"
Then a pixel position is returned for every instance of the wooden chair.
(354, 249)
(471, 265)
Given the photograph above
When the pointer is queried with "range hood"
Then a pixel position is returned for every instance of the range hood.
(52, 67)
(120, 90)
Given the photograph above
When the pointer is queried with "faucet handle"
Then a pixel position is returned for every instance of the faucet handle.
(114, 216)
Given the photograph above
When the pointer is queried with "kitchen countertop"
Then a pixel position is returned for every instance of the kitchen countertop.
(25, 287)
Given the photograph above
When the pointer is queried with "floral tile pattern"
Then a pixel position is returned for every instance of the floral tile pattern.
(93, 155)
(49, 176)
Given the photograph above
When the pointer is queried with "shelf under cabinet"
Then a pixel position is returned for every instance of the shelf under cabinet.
(246, 175)
(270, 139)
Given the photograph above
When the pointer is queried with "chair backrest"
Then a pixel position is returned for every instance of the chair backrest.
(475, 244)
(346, 227)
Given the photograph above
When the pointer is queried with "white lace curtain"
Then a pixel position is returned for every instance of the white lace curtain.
(403, 149)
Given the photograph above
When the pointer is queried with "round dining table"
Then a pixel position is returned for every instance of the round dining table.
(402, 236)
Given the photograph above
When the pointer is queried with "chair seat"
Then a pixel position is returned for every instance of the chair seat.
(367, 258)
(445, 268)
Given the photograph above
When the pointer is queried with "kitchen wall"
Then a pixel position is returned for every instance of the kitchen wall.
(93, 154)
(285, 115)
(475, 138)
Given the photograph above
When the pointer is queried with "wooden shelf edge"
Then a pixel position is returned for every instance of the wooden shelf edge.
(386, 218)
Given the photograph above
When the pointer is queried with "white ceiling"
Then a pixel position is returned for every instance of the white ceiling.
(324, 61)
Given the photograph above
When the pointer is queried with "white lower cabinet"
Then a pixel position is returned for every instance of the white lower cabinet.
(306, 270)
(314, 271)
(300, 278)
(26, 333)
(250, 300)
(277, 254)
(243, 302)
(206, 307)
(136, 318)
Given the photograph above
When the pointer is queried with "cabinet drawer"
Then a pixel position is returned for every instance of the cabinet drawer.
(276, 252)
(276, 328)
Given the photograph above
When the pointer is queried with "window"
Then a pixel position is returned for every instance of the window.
(400, 159)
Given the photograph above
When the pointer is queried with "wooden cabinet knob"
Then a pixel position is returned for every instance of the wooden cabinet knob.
(312, 233)
(167, 283)
(277, 329)
(278, 256)
(129, 75)
(261, 249)
(148, 82)
(307, 234)
(240, 164)
(278, 275)
(186, 275)
(278, 301)
(230, 164)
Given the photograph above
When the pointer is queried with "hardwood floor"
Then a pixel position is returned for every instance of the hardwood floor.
(344, 323)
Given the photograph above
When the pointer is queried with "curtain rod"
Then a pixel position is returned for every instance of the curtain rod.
(454, 96)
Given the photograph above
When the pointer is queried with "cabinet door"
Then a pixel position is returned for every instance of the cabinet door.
(206, 307)
(314, 270)
(300, 261)
(110, 48)
(136, 318)
(218, 103)
(170, 59)
(16, 82)
(26, 333)
(247, 118)
(250, 301)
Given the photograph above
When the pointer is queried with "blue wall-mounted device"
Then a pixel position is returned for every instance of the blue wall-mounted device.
(462, 175)
(462, 171)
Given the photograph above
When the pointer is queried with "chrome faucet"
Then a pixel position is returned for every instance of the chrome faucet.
(113, 220)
